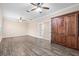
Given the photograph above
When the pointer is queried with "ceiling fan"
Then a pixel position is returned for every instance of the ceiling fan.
(20, 20)
(38, 6)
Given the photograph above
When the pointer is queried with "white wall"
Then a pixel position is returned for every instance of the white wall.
(33, 29)
(13, 29)
(40, 29)
(47, 30)
(1, 23)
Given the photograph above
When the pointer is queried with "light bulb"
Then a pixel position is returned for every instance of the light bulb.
(20, 20)
(38, 9)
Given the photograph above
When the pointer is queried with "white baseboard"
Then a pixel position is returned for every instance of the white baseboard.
(28, 35)
(37, 36)
(13, 36)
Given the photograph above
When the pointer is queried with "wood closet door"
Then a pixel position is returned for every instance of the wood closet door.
(54, 25)
(71, 31)
(54, 30)
(78, 42)
(58, 30)
(61, 30)
(78, 33)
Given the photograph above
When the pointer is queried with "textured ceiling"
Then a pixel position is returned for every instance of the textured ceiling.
(16, 10)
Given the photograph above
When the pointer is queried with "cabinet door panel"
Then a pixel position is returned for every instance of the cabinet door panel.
(78, 43)
(55, 38)
(61, 30)
(54, 30)
(72, 23)
(71, 31)
(58, 39)
(58, 30)
(54, 25)
(68, 41)
(71, 42)
(63, 40)
(61, 25)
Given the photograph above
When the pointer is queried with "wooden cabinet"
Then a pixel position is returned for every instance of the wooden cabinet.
(78, 43)
(78, 33)
(54, 26)
(63, 40)
(58, 30)
(61, 30)
(71, 24)
(54, 30)
(65, 30)
(71, 42)
(71, 31)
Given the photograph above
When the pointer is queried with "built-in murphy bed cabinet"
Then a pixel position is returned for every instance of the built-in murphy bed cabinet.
(65, 30)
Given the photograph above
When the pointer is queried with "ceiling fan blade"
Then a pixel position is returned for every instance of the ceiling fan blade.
(38, 3)
(33, 9)
(20, 18)
(45, 7)
(27, 11)
(33, 4)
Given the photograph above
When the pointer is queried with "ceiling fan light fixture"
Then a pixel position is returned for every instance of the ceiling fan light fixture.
(39, 9)
(20, 20)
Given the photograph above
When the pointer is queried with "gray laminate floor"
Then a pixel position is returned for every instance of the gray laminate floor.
(30, 46)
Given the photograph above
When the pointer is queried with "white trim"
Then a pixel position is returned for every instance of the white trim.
(37, 36)
(7, 36)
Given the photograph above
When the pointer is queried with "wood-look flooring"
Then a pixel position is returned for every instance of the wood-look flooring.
(30, 46)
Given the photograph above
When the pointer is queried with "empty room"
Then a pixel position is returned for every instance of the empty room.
(39, 29)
